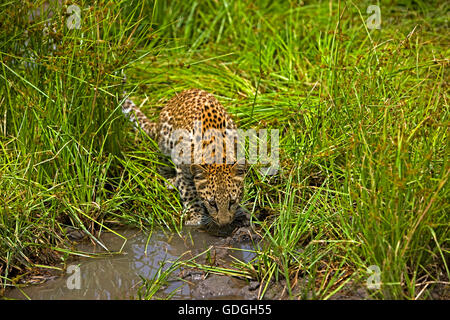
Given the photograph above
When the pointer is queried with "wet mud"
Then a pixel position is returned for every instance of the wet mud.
(116, 273)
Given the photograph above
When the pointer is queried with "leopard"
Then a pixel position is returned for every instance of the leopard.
(210, 180)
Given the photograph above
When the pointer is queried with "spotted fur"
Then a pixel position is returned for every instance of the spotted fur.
(211, 191)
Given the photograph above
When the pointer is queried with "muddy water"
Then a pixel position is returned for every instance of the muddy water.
(118, 276)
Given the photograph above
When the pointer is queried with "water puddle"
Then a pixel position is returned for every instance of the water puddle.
(118, 276)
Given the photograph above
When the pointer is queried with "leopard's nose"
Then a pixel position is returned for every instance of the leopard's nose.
(224, 219)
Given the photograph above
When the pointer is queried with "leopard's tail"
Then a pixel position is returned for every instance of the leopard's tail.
(135, 115)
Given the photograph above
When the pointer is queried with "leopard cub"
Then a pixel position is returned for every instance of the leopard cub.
(209, 180)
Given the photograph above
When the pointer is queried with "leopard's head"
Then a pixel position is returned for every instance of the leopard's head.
(220, 188)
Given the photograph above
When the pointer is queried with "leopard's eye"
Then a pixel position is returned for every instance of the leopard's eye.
(231, 203)
(212, 202)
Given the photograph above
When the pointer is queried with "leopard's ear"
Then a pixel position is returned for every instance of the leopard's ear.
(198, 171)
(240, 168)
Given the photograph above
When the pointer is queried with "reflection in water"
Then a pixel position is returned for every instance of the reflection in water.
(117, 276)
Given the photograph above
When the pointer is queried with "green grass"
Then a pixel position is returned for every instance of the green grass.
(362, 115)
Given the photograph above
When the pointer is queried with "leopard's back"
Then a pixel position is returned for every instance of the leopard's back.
(195, 111)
